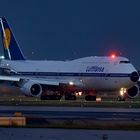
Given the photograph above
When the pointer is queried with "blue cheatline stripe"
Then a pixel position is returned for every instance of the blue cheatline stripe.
(74, 74)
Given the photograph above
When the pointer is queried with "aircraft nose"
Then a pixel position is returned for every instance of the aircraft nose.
(134, 76)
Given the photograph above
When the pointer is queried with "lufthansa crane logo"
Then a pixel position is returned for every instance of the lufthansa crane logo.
(6, 38)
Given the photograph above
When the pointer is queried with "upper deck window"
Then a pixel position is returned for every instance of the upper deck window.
(124, 62)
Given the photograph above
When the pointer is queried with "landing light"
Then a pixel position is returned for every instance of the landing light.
(78, 93)
(98, 99)
(122, 91)
(1, 57)
(71, 83)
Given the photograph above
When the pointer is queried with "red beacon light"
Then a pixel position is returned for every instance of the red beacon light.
(113, 56)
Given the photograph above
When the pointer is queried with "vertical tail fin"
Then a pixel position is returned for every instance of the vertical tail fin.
(11, 48)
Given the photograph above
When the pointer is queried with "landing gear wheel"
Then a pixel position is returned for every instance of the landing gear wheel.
(120, 98)
(90, 98)
(70, 97)
(51, 97)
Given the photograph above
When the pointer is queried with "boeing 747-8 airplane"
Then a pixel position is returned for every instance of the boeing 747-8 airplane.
(88, 75)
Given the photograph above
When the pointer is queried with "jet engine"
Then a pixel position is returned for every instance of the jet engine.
(31, 89)
(133, 91)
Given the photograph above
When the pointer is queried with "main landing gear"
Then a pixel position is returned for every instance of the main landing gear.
(70, 96)
(120, 98)
(90, 96)
(49, 95)
(57, 96)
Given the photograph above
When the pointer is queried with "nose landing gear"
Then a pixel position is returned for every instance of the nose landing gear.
(123, 94)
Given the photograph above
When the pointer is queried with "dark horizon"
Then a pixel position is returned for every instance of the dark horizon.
(65, 30)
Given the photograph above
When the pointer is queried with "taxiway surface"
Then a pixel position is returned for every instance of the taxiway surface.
(72, 112)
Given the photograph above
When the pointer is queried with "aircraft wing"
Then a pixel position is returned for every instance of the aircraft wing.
(54, 82)
(38, 80)
(9, 78)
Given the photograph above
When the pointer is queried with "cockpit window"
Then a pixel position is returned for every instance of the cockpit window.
(124, 62)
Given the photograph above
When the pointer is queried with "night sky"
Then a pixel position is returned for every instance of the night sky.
(69, 29)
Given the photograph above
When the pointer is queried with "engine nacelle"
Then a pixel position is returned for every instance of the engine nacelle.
(31, 89)
(133, 92)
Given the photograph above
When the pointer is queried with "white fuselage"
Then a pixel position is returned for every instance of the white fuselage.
(99, 73)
